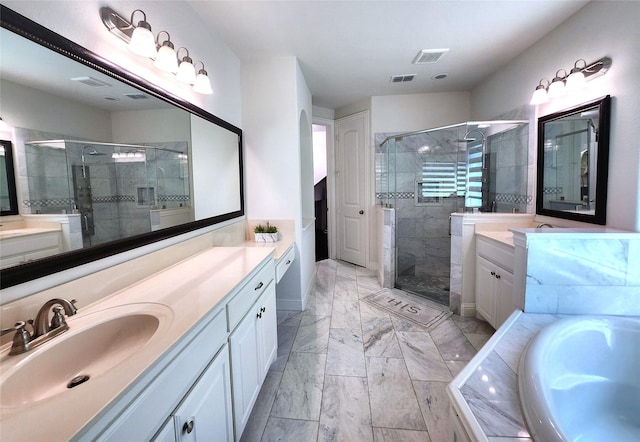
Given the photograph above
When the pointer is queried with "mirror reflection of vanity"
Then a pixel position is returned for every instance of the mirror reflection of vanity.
(573, 152)
(109, 160)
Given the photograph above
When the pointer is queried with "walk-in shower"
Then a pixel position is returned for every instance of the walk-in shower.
(427, 175)
(113, 187)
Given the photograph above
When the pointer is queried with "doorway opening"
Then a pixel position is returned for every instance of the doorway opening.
(320, 134)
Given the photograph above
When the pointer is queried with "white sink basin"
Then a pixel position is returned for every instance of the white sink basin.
(579, 380)
(94, 344)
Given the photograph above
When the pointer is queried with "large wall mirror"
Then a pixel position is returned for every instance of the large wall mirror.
(573, 159)
(115, 160)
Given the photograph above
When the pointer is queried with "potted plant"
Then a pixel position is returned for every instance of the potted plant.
(265, 233)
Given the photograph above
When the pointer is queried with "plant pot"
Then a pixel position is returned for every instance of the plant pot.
(266, 237)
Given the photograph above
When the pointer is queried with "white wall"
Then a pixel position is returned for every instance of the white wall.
(80, 120)
(599, 29)
(156, 125)
(406, 113)
(275, 98)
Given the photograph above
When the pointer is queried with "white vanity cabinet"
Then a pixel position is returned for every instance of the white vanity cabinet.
(28, 245)
(254, 344)
(494, 280)
(205, 413)
(204, 388)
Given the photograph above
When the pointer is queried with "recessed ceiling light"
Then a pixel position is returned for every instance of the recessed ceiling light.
(440, 76)
(429, 56)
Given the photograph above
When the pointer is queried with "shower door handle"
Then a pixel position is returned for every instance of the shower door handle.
(86, 222)
(449, 225)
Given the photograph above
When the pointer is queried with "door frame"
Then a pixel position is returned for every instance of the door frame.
(331, 182)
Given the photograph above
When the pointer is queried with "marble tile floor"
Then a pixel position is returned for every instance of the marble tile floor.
(347, 371)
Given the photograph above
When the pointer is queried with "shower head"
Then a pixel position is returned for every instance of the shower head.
(92, 152)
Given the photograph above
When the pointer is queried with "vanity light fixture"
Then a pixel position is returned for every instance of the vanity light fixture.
(186, 71)
(574, 81)
(167, 59)
(540, 94)
(202, 84)
(556, 88)
(142, 41)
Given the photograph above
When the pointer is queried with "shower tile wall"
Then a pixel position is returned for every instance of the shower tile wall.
(508, 164)
(45, 181)
(44, 170)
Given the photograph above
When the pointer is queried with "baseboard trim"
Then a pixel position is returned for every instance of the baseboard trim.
(468, 310)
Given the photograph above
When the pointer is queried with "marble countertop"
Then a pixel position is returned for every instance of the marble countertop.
(279, 247)
(191, 289)
(485, 392)
(501, 236)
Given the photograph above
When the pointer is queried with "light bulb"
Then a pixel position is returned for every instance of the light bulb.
(202, 84)
(142, 41)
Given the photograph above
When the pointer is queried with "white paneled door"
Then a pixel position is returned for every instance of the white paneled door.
(351, 144)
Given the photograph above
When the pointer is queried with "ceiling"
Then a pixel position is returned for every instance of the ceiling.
(348, 50)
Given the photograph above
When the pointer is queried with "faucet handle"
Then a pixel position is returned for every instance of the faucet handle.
(58, 318)
(20, 340)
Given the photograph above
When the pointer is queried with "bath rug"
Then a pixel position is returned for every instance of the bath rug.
(410, 307)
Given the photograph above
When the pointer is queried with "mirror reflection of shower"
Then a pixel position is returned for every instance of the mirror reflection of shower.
(114, 190)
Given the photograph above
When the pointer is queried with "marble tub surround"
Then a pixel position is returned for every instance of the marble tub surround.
(373, 377)
(581, 271)
(485, 393)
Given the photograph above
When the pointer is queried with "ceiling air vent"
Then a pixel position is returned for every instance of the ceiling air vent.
(136, 96)
(429, 56)
(402, 78)
(90, 81)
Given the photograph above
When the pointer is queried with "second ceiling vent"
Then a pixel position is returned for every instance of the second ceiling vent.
(429, 56)
(402, 78)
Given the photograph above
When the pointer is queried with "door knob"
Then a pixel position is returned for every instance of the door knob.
(361, 212)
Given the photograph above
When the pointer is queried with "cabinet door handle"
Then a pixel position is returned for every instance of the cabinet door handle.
(259, 286)
(497, 276)
(288, 262)
(188, 426)
(262, 310)
(493, 273)
(259, 315)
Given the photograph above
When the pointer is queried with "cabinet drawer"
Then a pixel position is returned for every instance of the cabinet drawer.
(284, 262)
(240, 304)
(503, 256)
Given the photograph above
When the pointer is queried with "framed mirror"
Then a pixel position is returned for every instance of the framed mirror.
(98, 148)
(8, 199)
(573, 162)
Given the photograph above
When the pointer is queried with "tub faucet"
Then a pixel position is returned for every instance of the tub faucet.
(41, 325)
(544, 225)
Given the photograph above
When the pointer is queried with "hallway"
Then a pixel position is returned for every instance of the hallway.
(347, 371)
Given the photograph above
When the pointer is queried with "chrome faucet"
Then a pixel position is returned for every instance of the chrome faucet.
(544, 225)
(43, 330)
